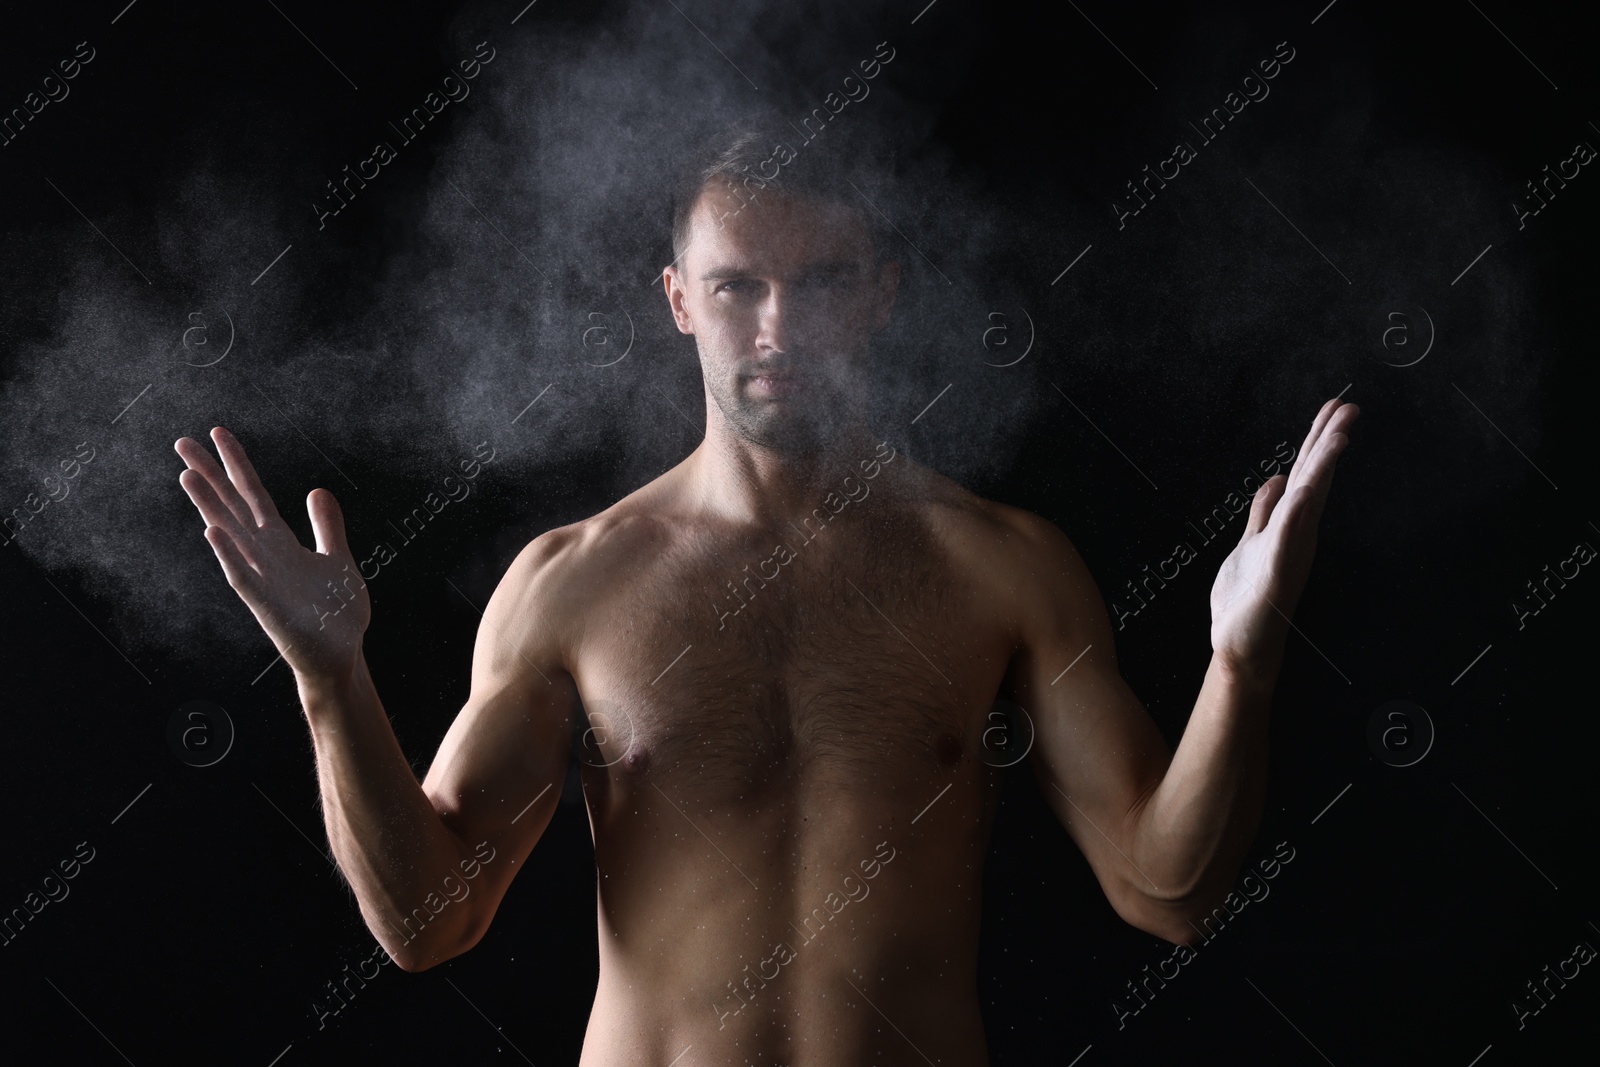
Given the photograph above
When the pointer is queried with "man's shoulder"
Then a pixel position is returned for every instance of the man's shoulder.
(583, 553)
(1022, 557)
(554, 585)
(999, 533)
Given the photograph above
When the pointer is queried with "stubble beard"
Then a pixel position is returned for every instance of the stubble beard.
(803, 427)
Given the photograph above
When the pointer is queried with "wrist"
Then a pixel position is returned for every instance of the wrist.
(325, 689)
(1249, 675)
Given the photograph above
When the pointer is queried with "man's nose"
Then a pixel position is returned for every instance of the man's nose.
(776, 321)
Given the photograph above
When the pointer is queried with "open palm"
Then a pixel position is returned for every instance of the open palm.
(1261, 580)
(313, 604)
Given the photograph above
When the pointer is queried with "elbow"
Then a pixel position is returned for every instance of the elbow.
(1174, 918)
(411, 963)
(430, 947)
(413, 958)
(1171, 924)
(419, 955)
(1178, 933)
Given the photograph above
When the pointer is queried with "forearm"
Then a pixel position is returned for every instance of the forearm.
(1191, 833)
(387, 837)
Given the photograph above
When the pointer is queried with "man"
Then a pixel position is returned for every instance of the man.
(787, 648)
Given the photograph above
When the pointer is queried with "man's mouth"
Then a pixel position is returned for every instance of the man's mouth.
(775, 383)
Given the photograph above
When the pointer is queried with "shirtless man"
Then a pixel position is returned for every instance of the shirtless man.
(787, 649)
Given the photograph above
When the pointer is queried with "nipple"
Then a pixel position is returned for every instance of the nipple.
(636, 761)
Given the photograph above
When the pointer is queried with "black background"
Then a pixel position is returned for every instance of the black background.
(1416, 907)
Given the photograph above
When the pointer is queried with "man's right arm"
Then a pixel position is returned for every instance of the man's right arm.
(430, 862)
(411, 851)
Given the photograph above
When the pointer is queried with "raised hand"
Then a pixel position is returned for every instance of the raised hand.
(1261, 580)
(313, 605)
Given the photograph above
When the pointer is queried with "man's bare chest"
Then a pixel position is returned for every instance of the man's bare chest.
(845, 662)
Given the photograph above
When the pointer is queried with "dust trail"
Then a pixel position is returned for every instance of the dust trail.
(515, 303)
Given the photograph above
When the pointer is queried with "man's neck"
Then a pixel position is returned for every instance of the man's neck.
(742, 481)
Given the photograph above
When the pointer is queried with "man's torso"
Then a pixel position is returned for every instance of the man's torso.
(787, 776)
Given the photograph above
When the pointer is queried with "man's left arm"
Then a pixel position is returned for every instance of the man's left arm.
(1165, 832)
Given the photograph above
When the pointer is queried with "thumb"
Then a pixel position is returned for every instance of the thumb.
(327, 522)
(1266, 499)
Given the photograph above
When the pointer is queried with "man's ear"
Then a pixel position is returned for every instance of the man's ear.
(673, 282)
(888, 286)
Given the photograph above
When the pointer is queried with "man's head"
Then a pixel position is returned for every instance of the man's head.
(780, 273)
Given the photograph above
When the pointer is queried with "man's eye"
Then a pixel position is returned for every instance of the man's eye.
(739, 285)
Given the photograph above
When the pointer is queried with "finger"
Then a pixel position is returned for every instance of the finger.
(1318, 424)
(244, 476)
(199, 459)
(1343, 418)
(1334, 441)
(1335, 435)
(327, 522)
(212, 509)
(1266, 499)
(1318, 481)
(241, 576)
(1328, 419)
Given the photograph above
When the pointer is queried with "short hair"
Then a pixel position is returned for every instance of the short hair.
(735, 155)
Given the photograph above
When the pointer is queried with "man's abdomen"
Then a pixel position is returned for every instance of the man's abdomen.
(828, 925)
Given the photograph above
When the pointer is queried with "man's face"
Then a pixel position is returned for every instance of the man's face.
(782, 296)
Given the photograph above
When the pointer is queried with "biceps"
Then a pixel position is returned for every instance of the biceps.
(498, 774)
(1098, 754)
